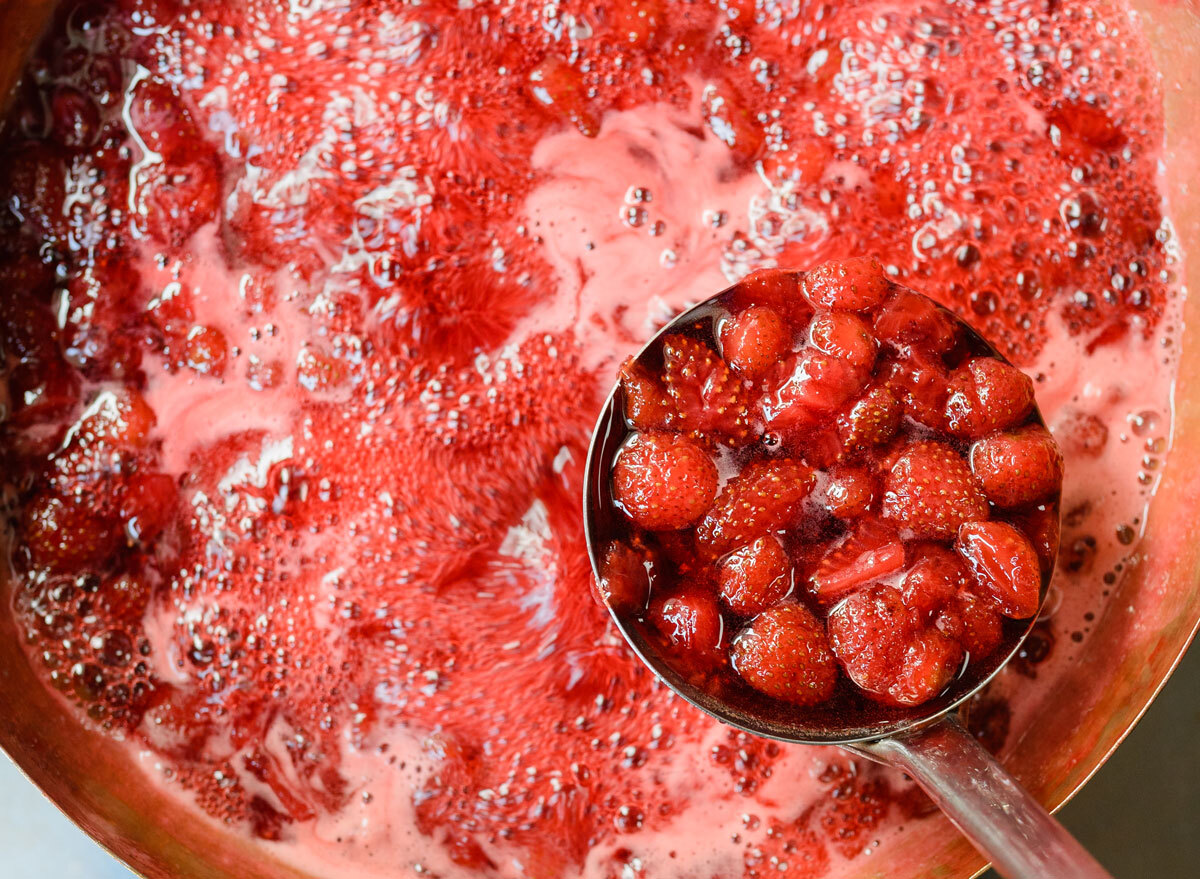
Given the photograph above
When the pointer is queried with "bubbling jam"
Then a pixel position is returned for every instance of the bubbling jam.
(887, 503)
(307, 313)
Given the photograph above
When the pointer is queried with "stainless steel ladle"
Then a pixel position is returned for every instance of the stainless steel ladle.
(1000, 818)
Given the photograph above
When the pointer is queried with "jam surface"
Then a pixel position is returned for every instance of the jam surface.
(825, 502)
(307, 313)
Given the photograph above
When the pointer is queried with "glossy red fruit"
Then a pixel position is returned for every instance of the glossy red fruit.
(755, 577)
(691, 622)
(846, 337)
(121, 418)
(922, 384)
(931, 490)
(160, 118)
(206, 351)
(177, 196)
(986, 395)
(871, 420)
(862, 557)
(785, 654)
(934, 579)
(1042, 526)
(39, 389)
(973, 623)
(557, 87)
(664, 482)
(814, 385)
(148, 505)
(1004, 564)
(647, 406)
(854, 284)
(729, 118)
(775, 288)
(74, 118)
(1018, 468)
(765, 497)
(754, 340)
(123, 599)
(849, 492)
(624, 581)
(637, 22)
(709, 399)
(907, 320)
(65, 534)
(887, 652)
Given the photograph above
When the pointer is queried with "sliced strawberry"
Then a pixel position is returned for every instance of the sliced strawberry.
(937, 576)
(973, 623)
(931, 490)
(986, 395)
(1018, 467)
(860, 558)
(65, 534)
(854, 284)
(846, 337)
(690, 621)
(708, 397)
(1005, 566)
(908, 320)
(785, 654)
(849, 492)
(871, 420)
(755, 577)
(887, 652)
(664, 482)
(647, 406)
(624, 581)
(765, 497)
(754, 340)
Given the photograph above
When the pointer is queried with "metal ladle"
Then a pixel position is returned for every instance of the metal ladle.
(999, 817)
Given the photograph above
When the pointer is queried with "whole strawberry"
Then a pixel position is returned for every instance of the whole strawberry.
(785, 654)
(663, 482)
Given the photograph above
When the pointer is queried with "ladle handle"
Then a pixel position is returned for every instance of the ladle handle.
(987, 804)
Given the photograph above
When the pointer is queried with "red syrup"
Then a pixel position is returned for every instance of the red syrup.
(308, 310)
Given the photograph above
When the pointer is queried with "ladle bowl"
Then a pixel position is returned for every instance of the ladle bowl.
(1000, 818)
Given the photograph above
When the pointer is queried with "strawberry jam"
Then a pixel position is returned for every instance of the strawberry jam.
(307, 312)
(867, 546)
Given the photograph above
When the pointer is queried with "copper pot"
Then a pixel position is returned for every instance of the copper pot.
(1150, 620)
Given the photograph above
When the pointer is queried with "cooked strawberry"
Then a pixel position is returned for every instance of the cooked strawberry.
(849, 492)
(148, 505)
(637, 22)
(731, 119)
(785, 654)
(1041, 525)
(663, 482)
(908, 320)
(844, 336)
(177, 196)
(973, 623)
(887, 652)
(765, 497)
(624, 581)
(753, 340)
(755, 577)
(814, 384)
(123, 599)
(935, 578)
(709, 399)
(854, 284)
(987, 394)
(690, 621)
(921, 383)
(206, 351)
(780, 290)
(557, 87)
(121, 418)
(931, 490)
(860, 558)
(1018, 467)
(871, 420)
(65, 534)
(1004, 564)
